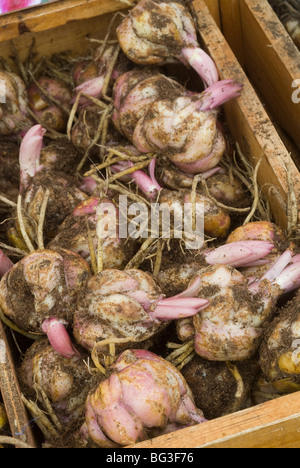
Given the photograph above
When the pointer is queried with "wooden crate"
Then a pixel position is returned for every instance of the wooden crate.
(272, 424)
(269, 57)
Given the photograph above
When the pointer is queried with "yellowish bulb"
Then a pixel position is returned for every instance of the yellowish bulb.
(3, 417)
(289, 363)
(15, 239)
(286, 386)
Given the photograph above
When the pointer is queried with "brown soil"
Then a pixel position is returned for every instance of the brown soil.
(214, 387)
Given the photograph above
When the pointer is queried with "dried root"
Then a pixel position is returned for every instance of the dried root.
(15, 328)
(244, 171)
(240, 392)
(6, 440)
(42, 397)
(22, 225)
(182, 354)
(46, 426)
(111, 357)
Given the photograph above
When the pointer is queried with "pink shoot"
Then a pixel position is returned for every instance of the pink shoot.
(278, 266)
(211, 172)
(86, 207)
(238, 254)
(256, 263)
(59, 338)
(289, 279)
(152, 174)
(284, 272)
(219, 93)
(296, 258)
(176, 308)
(202, 63)
(147, 185)
(30, 151)
(193, 288)
(91, 88)
(88, 185)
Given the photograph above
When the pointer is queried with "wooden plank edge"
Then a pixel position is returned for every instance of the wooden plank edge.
(232, 27)
(272, 61)
(233, 430)
(214, 8)
(248, 118)
(276, 34)
(49, 16)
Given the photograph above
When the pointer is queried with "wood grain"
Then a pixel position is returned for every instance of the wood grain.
(274, 424)
(272, 61)
(52, 15)
(214, 9)
(249, 122)
(232, 27)
(70, 38)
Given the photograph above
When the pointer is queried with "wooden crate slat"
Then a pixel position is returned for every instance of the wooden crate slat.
(232, 27)
(214, 8)
(274, 424)
(70, 38)
(248, 121)
(272, 61)
(52, 15)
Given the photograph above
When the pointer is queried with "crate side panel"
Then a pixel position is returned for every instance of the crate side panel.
(51, 16)
(249, 122)
(272, 61)
(71, 38)
(261, 426)
(232, 27)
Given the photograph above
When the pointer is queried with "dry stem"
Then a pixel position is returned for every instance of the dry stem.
(22, 226)
(53, 134)
(42, 421)
(14, 250)
(249, 178)
(120, 156)
(48, 96)
(20, 64)
(140, 256)
(7, 201)
(110, 342)
(40, 237)
(109, 73)
(239, 395)
(15, 328)
(14, 441)
(256, 193)
(99, 249)
(130, 170)
(182, 355)
(104, 117)
(45, 401)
